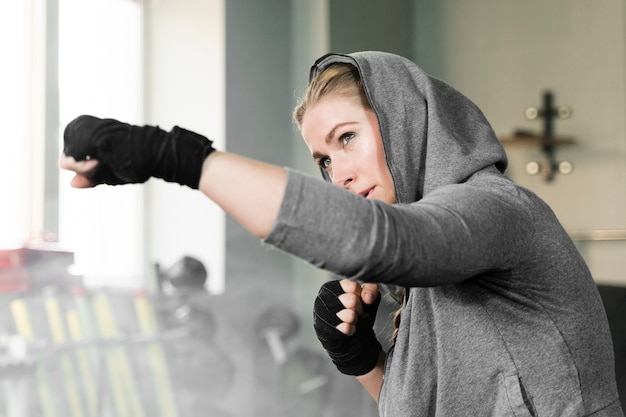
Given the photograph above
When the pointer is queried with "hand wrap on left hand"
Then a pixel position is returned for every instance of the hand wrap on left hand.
(352, 355)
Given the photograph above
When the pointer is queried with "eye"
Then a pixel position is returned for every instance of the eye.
(346, 138)
(324, 162)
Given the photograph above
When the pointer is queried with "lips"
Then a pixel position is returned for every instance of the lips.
(367, 192)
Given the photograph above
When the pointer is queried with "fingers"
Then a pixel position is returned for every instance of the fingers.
(81, 168)
(80, 181)
(353, 298)
(348, 316)
(352, 301)
(369, 293)
(350, 286)
(346, 328)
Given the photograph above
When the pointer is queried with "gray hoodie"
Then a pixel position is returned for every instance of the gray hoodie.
(501, 317)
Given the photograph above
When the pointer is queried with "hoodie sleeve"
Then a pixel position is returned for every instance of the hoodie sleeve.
(454, 233)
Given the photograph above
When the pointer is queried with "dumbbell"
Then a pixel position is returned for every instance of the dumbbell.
(275, 327)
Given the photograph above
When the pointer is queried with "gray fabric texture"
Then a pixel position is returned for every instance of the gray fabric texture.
(502, 316)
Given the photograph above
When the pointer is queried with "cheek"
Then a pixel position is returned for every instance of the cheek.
(381, 161)
(384, 175)
(374, 164)
(368, 159)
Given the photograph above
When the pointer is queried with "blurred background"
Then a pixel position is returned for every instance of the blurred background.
(147, 300)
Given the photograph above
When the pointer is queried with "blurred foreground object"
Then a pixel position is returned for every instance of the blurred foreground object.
(186, 275)
(31, 269)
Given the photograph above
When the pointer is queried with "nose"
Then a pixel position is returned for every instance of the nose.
(342, 173)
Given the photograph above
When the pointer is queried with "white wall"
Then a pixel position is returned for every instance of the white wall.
(184, 70)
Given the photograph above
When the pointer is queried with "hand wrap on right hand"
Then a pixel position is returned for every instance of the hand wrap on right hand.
(352, 355)
(132, 154)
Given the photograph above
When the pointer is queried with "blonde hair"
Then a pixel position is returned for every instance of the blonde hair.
(337, 79)
(396, 320)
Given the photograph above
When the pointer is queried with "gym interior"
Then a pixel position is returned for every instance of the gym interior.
(149, 301)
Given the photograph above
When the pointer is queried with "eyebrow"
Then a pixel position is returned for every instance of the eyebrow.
(329, 137)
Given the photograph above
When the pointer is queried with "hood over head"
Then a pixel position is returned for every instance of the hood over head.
(432, 134)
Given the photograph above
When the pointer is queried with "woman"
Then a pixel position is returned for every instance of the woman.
(500, 313)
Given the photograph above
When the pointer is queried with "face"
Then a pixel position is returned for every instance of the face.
(344, 139)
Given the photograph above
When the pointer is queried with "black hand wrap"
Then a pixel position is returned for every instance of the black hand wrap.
(352, 355)
(132, 154)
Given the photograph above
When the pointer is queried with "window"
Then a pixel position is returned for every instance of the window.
(16, 81)
(99, 61)
(100, 73)
(87, 57)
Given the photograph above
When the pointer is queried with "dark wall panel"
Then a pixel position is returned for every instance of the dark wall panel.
(357, 25)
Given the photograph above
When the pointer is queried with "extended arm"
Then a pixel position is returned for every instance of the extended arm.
(248, 190)
(107, 151)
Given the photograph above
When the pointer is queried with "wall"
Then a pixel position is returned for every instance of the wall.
(257, 125)
(366, 26)
(184, 85)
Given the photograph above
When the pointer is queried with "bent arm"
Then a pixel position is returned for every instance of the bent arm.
(248, 190)
(373, 380)
(450, 235)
